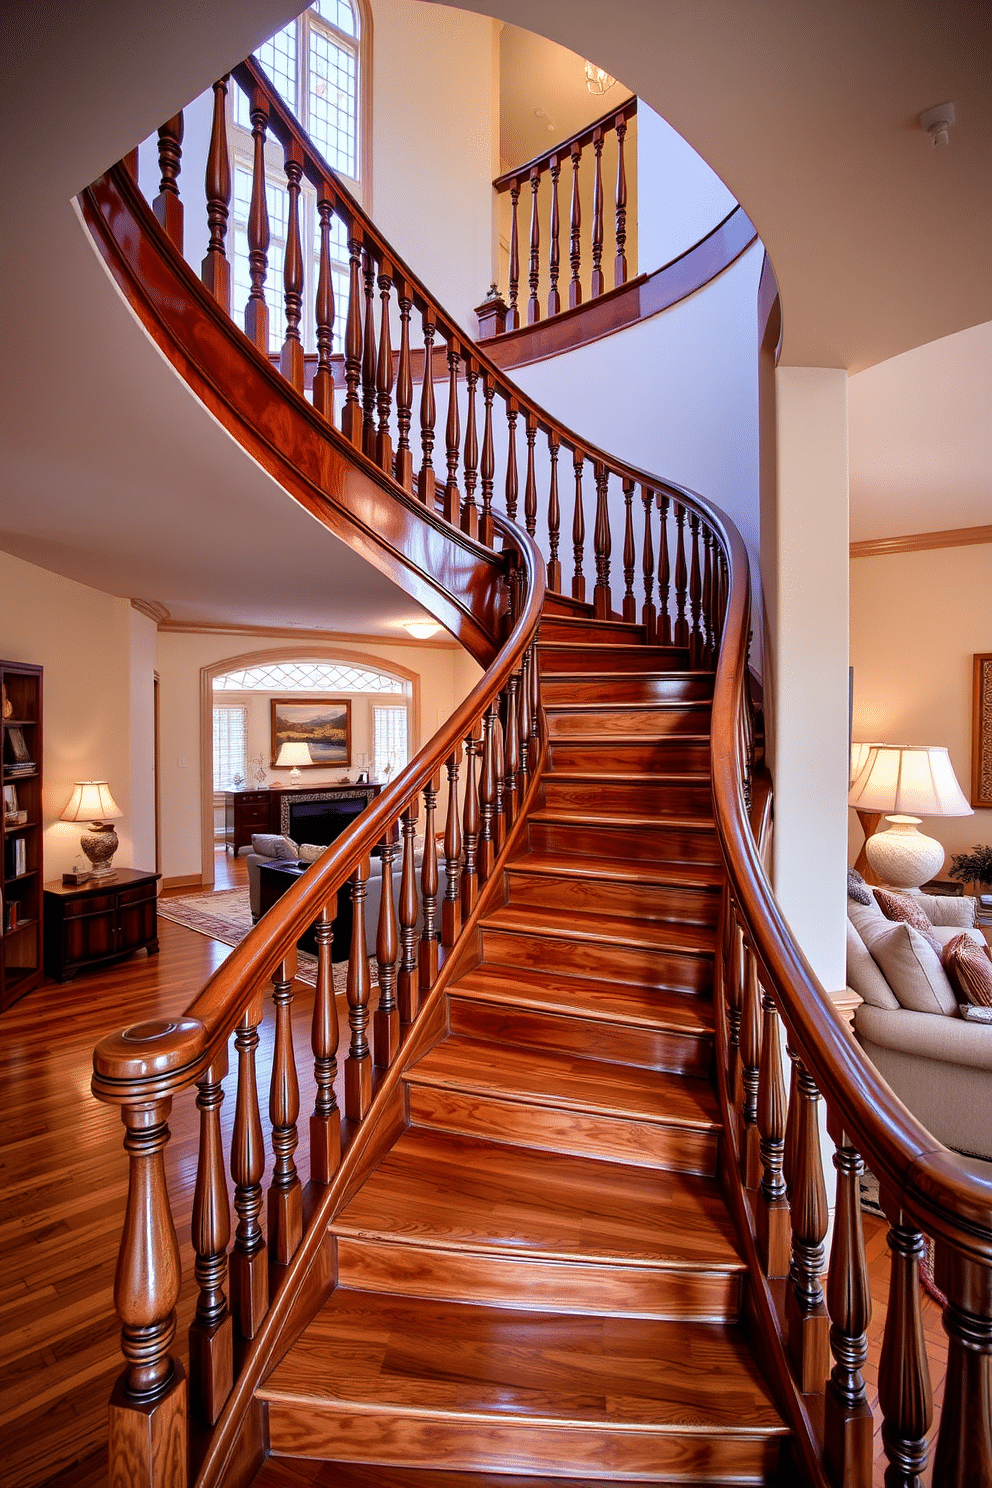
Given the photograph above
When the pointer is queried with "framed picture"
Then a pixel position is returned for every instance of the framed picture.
(10, 801)
(18, 748)
(981, 745)
(323, 723)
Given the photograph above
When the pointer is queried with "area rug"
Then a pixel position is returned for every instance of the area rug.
(226, 916)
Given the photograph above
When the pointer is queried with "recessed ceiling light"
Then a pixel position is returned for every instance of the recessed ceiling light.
(421, 630)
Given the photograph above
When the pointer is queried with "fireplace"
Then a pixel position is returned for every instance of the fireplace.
(320, 817)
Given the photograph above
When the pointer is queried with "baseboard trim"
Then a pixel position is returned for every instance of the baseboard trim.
(183, 881)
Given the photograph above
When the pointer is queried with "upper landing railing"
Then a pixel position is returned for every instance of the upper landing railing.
(443, 535)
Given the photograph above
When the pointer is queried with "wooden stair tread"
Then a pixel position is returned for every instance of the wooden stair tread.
(304, 1472)
(465, 1193)
(646, 705)
(367, 1351)
(703, 876)
(691, 940)
(580, 997)
(622, 818)
(563, 1081)
(679, 739)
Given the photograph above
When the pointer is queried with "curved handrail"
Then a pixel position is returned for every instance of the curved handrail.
(626, 109)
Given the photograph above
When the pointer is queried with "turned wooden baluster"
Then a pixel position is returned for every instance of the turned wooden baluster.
(499, 762)
(554, 518)
(695, 595)
(470, 464)
(598, 279)
(664, 631)
(790, 1162)
(513, 314)
(487, 469)
(534, 304)
(734, 953)
(408, 986)
(325, 1123)
(358, 1065)
(291, 357)
(428, 414)
(148, 1420)
(511, 738)
(603, 544)
(706, 654)
(578, 530)
(535, 704)
(575, 234)
(807, 1324)
(404, 390)
(629, 553)
(649, 615)
(256, 310)
(964, 1440)
(487, 796)
(384, 373)
(523, 720)
(511, 486)
(285, 1190)
(211, 1360)
(904, 1393)
(323, 378)
(167, 206)
(429, 942)
(386, 1019)
(681, 630)
(750, 1069)
(351, 414)
(773, 1206)
(452, 437)
(215, 271)
(369, 358)
(554, 261)
(451, 907)
(471, 820)
(249, 1262)
(848, 1425)
(530, 486)
(620, 263)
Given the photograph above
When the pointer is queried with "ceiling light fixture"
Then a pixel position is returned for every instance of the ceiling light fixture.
(421, 630)
(937, 121)
(598, 80)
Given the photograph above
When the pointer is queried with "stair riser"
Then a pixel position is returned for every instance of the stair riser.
(556, 1129)
(502, 1281)
(638, 798)
(583, 895)
(626, 687)
(651, 722)
(648, 1048)
(632, 844)
(568, 659)
(670, 755)
(643, 965)
(611, 632)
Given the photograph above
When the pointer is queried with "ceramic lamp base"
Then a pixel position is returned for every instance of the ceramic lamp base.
(903, 858)
(99, 844)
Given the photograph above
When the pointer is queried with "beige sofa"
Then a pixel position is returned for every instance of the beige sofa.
(909, 1024)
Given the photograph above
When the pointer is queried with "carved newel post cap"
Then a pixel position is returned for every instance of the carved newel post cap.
(492, 314)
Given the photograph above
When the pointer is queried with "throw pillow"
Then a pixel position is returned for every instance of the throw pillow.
(913, 971)
(969, 968)
(857, 889)
(272, 845)
(310, 851)
(974, 1014)
(864, 976)
(895, 907)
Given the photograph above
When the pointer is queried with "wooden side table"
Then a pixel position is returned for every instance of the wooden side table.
(99, 921)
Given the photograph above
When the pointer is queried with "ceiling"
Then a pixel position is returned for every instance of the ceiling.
(806, 111)
(543, 96)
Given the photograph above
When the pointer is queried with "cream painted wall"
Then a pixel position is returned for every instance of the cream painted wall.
(182, 655)
(96, 660)
(917, 619)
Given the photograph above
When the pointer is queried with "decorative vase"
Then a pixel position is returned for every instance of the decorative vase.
(99, 844)
(902, 857)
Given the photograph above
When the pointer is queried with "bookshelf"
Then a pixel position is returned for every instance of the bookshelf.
(21, 829)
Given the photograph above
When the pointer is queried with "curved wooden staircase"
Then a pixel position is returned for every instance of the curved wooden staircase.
(555, 1218)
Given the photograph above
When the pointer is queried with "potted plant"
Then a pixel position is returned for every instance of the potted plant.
(973, 867)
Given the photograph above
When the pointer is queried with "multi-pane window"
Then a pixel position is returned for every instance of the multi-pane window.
(230, 745)
(306, 676)
(389, 741)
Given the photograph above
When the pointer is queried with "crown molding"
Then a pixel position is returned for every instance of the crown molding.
(294, 633)
(919, 542)
(151, 608)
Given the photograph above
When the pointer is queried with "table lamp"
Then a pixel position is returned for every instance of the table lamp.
(869, 819)
(296, 753)
(91, 801)
(906, 782)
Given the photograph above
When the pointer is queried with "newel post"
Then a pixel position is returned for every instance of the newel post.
(148, 1408)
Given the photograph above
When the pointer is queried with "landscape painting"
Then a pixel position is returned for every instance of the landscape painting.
(323, 723)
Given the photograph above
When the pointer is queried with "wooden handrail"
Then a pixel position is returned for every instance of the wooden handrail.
(627, 109)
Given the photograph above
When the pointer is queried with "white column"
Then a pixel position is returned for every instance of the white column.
(805, 572)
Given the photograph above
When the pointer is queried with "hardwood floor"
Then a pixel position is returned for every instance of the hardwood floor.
(63, 1182)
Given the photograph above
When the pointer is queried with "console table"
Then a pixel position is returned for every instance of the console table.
(100, 920)
(250, 811)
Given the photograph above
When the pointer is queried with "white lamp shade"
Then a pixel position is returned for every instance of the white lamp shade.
(860, 754)
(909, 780)
(91, 801)
(294, 754)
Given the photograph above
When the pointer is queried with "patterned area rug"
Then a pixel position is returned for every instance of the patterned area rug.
(226, 916)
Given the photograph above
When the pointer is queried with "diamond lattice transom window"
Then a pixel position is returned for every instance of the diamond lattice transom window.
(306, 676)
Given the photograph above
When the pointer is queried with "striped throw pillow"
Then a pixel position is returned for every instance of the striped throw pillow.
(969, 970)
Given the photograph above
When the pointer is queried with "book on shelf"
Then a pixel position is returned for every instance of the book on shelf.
(17, 748)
